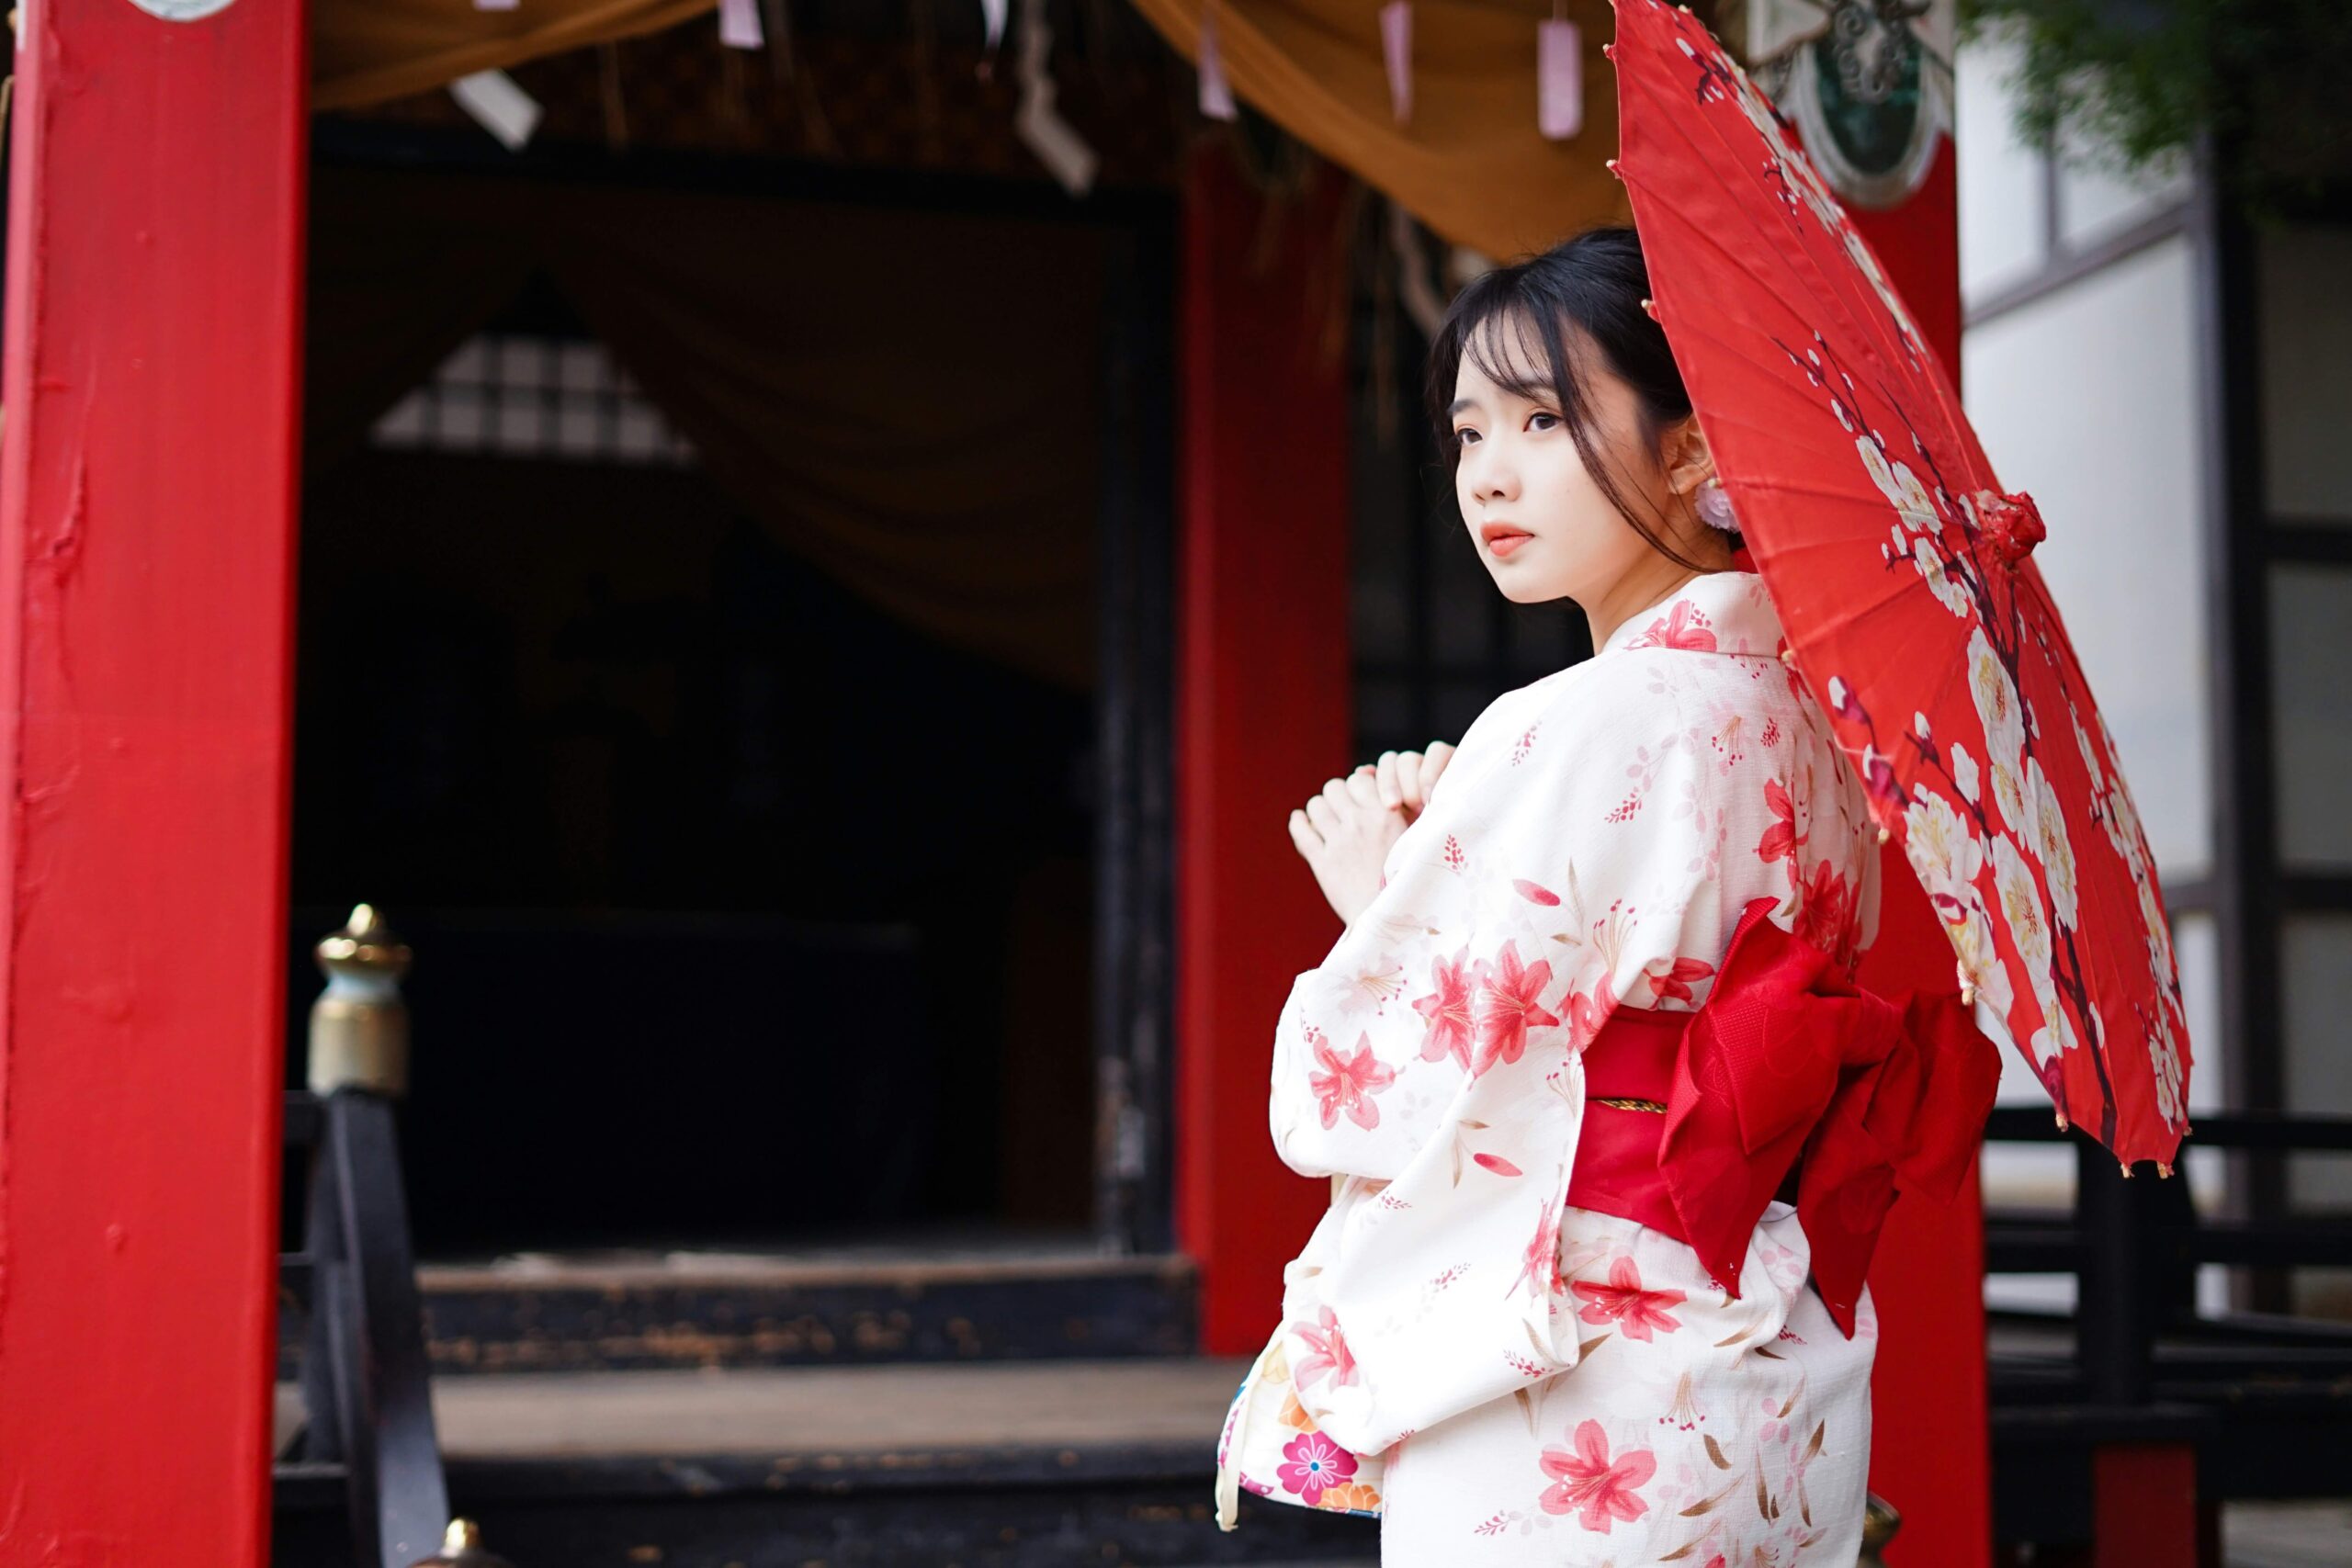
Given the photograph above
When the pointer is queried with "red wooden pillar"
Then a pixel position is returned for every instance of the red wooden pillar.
(1930, 1451)
(2144, 1507)
(1263, 709)
(147, 513)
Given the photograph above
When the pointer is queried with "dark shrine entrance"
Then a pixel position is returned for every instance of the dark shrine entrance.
(720, 587)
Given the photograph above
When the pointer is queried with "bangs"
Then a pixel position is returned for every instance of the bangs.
(1523, 350)
(1507, 329)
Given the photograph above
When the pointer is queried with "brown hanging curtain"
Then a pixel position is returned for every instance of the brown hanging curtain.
(910, 400)
(1470, 163)
(366, 51)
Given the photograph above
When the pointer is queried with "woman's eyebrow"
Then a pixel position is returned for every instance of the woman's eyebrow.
(1461, 405)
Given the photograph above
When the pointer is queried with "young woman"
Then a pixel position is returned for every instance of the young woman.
(1501, 1338)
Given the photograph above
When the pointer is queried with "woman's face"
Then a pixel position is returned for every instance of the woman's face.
(1544, 528)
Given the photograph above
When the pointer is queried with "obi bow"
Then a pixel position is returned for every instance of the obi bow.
(1788, 1058)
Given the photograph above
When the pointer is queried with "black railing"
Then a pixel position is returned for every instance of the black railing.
(367, 1414)
(2264, 1400)
(366, 1445)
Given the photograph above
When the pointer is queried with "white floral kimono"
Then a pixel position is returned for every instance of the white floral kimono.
(1503, 1378)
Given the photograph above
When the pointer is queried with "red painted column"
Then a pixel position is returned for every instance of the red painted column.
(2144, 1507)
(1930, 1451)
(1263, 712)
(147, 516)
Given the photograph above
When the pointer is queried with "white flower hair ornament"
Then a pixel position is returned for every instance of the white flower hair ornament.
(1714, 507)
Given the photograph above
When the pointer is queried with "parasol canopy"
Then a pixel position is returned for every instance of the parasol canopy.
(1902, 574)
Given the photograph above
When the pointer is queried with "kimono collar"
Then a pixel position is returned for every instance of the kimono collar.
(1720, 611)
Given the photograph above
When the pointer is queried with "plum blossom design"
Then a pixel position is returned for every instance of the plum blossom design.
(1915, 509)
(1998, 708)
(2049, 841)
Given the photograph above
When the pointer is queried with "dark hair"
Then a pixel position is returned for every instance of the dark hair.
(1584, 291)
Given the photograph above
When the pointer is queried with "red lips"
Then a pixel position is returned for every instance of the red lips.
(1502, 538)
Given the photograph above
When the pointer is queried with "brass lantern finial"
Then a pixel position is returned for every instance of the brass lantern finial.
(461, 1548)
(359, 1024)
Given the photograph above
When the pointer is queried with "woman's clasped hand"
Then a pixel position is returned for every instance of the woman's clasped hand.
(1344, 830)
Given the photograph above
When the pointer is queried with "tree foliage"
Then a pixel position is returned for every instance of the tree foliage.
(2135, 83)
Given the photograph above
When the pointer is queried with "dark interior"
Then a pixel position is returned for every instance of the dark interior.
(747, 911)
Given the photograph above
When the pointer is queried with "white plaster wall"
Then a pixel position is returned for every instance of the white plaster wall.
(2088, 399)
(2000, 178)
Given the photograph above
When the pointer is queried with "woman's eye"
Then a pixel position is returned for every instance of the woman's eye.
(1465, 436)
(1541, 420)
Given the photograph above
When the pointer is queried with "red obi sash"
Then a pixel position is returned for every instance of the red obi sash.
(1787, 1058)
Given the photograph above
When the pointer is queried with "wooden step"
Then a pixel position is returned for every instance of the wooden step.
(1002, 1465)
(824, 1417)
(687, 1310)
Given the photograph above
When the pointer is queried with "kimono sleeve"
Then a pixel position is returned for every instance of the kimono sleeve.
(1571, 876)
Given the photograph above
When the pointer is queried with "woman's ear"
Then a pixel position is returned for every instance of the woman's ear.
(1688, 462)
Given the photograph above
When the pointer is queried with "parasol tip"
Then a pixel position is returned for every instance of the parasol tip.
(1885, 834)
(1649, 309)
(2127, 1168)
(2012, 526)
(2164, 1170)
(2061, 1120)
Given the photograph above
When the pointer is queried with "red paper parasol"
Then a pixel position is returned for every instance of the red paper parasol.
(1901, 572)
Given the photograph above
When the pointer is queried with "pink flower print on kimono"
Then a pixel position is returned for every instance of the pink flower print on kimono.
(1327, 1351)
(1623, 1301)
(1781, 840)
(1825, 911)
(1539, 1265)
(1312, 1463)
(1450, 1008)
(1587, 1482)
(1670, 978)
(1684, 625)
(1509, 1008)
(1348, 1083)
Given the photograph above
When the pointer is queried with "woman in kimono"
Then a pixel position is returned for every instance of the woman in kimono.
(1535, 1326)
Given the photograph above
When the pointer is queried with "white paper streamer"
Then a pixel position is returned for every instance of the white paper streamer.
(739, 24)
(992, 18)
(1217, 98)
(498, 106)
(1559, 79)
(1397, 48)
(1038, 124)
